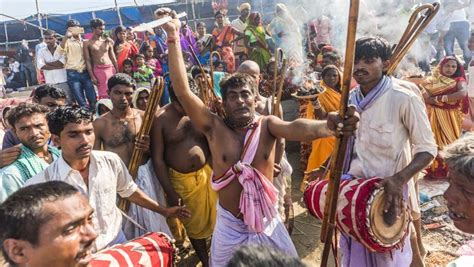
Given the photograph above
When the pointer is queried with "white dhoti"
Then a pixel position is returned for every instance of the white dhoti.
(282, 183)
(150, 220)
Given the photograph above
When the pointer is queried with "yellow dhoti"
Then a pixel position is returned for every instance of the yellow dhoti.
(195, 190)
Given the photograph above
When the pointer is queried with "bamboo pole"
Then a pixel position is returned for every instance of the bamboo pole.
(341, 141)
(419, 20)
(276, 105)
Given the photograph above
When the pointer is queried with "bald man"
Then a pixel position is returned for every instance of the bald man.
(283, 170)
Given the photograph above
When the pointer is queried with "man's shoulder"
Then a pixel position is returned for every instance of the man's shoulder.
(403, 89)
(105, 155)
(11, 170)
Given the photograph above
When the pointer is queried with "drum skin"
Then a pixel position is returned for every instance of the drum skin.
(355, 213)
(152, 249)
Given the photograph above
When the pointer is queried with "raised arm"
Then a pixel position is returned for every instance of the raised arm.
(200, 115)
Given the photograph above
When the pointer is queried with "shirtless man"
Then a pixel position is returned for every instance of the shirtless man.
(283, 170)
(180, 156)
(243, 151)
(116, 131)
(100, 58)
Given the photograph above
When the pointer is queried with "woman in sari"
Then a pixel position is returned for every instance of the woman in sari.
(123, 48)
(445, 97)
(255, 40)
(224, 36)
(327, 101)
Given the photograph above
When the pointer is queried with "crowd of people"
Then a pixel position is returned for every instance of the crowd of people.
(214, 163)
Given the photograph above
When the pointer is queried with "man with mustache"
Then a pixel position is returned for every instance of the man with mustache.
(394, 141)
(116, 131)
(99, 175)
(48, 224)
(242, 147)
(29, 124)
(459, 157)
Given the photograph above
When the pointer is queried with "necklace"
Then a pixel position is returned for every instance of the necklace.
(245, 125)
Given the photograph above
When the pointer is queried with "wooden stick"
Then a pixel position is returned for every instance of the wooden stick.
(278, 59)
(341, 141)
(276, 104)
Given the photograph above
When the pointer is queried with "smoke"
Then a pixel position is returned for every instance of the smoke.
(384, 18)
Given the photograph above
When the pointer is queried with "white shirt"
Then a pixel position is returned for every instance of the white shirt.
(52, 76)
(390, 131)
(108, 176)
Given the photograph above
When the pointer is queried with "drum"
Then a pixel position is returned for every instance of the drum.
(152, 249)
(360, 213)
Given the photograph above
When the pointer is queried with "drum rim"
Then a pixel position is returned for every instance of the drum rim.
(369, 222)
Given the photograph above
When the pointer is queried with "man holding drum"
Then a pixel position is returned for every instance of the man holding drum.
(393, 126)
(242, 146)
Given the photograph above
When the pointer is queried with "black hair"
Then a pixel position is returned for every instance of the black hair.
(127, 61)
(333, 56)
(201, 23)
(94, 23)
(48, 90)
(61, 116)
(72, 23)
(372, 47)
(139, 56)
(195, 71)
(122, 79)
(49, 33)
(119, 29)
(237, 80)
(219, 13)
(25, 110)
(262, 256)
(22, 215)
(216, 63)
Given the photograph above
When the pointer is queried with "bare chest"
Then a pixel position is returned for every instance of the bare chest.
(121, 132)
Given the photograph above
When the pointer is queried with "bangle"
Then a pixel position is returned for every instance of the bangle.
(322, 167)
(436, 99)
(172, 40)
(444, 99)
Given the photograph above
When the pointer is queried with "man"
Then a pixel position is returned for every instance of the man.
(39, 73)
(48, 224)
(117, 131)
(100, 57)
(29, 124)
(27, 69)
(51, 62)
(456, 27)
(282, 179)
(78, 78)
(395, 126)
(242, 158)
(99, 175)
(240, 24)
(459, 157)
(46, 95)
(180, 157)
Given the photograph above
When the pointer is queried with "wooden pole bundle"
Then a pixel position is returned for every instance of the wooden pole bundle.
(419, 20)
(278, 83)
(150, 111)
(214, 99)
(337, 159)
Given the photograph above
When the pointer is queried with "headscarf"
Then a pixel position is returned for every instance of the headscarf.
(244, 6)
(137, 93)
(460, 74)
(325, 71)
(257, 29)
(104, 101)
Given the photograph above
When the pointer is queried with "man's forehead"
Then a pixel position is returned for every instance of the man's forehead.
(62, 211)
(80, 126)
(239, 89)
(32, 118)
(122, 88)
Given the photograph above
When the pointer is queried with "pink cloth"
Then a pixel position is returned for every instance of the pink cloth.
(259, 195)
(102, 73)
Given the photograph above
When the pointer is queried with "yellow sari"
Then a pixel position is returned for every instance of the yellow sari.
(445, 118)
(322, 148)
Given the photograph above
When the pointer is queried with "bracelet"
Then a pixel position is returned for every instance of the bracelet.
(172, 40)
(444, 99)
(322, 167)
(436, 99)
